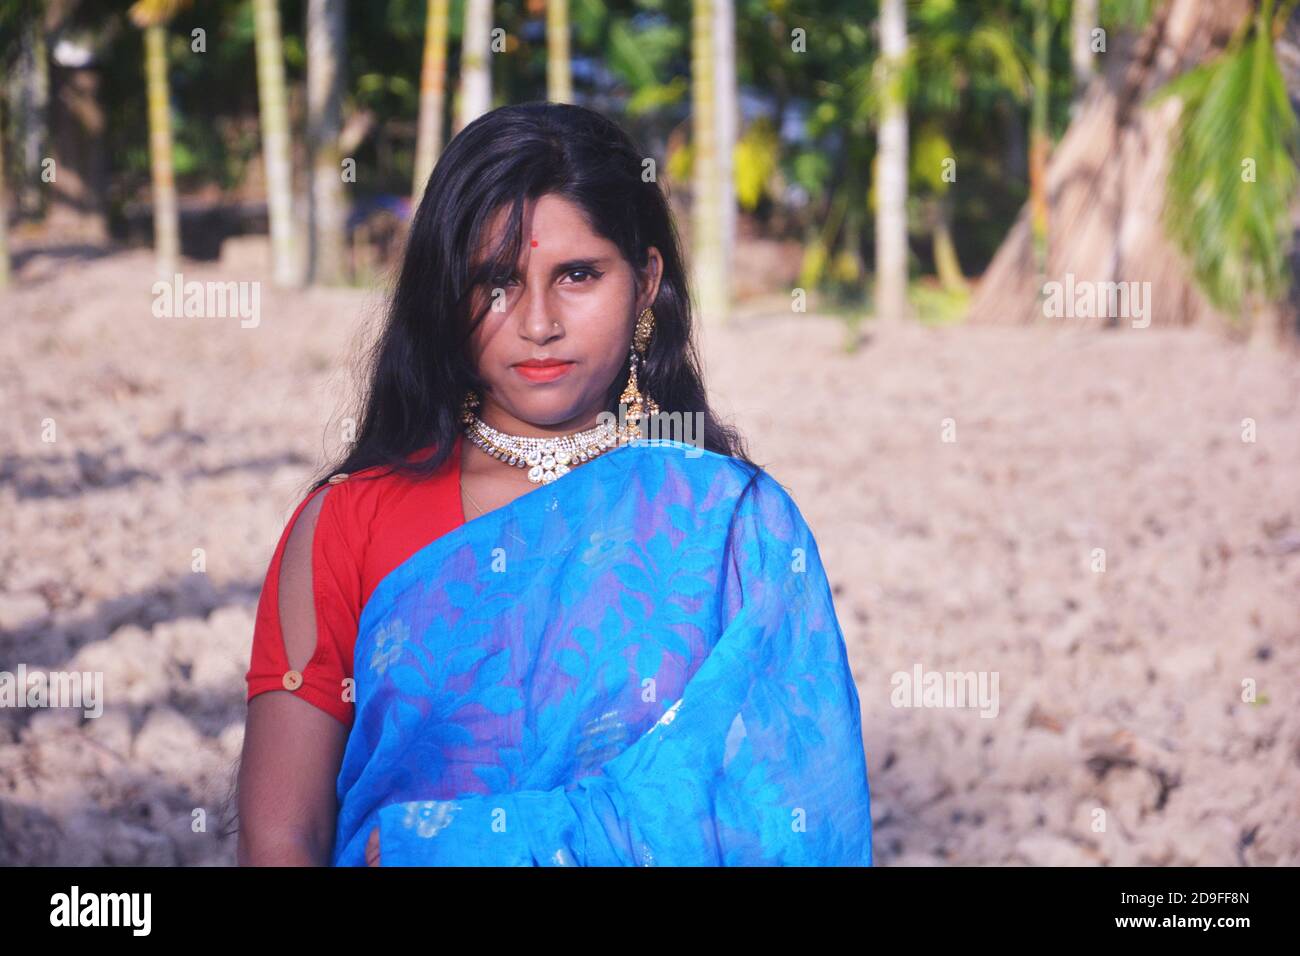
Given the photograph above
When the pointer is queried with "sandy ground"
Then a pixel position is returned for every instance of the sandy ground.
(1121, 734)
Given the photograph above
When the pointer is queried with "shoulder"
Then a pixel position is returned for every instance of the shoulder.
(744, 488)
(734, 476)
(355, 499)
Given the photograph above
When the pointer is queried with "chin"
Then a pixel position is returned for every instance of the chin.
(544, 410)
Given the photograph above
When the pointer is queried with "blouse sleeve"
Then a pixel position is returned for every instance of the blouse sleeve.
(760, 762)
(319, 567)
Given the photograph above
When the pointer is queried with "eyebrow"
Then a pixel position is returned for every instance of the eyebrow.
(570, 265)
(573, 264)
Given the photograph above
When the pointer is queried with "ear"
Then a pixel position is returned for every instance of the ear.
(648, 280)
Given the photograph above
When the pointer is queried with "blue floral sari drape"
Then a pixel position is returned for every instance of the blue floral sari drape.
(636, 664)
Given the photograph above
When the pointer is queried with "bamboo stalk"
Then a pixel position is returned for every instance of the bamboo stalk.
(559, 72)
(433, 88)
(275, 139)
(166, 217)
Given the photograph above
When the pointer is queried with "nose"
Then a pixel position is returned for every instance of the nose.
(537, 324)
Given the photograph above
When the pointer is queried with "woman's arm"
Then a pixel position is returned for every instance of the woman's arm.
(287, 801)
(288, 805)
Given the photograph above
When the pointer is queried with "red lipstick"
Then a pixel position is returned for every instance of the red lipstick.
(543, 370)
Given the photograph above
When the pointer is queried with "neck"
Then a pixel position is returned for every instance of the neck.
(494, 416)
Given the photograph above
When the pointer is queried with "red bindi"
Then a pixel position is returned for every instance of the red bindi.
(534, 243)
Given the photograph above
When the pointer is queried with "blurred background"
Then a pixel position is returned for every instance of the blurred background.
(1002, 291)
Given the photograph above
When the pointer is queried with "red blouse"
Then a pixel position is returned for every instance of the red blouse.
(364, 530)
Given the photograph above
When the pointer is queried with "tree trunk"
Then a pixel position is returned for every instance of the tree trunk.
(433, 85)
(1039, 135)
(76, 181)
(1287, 46)
(559, 71)
(1082, 22)
(1106, 182)
(166, 217)
(1015, 153)
(706, 200)
(326, 210)
(724, 76)
(28, 103)
(475, 74)
(891, 169)
(946, 263)
(4, 217)
(1265, 321)
(274, 108)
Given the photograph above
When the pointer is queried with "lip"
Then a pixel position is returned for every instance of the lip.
(543, 370)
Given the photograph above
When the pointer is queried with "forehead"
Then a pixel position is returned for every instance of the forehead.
(557, 226)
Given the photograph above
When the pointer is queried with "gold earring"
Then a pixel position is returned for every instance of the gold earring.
(645, 324)
(467, 405)
(638, 406)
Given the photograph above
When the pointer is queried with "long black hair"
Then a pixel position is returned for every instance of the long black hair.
(419, 366)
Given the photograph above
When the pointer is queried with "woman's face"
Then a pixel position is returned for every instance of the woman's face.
(573, 299)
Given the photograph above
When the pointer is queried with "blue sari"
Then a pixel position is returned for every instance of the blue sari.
(638, 664)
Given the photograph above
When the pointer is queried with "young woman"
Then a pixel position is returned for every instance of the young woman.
(507, 631)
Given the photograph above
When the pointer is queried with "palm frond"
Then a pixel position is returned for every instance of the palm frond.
(1233, 171)
(994, 48)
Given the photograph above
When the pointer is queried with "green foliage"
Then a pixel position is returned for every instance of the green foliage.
(935, 305)
(1236, 125)
(678, 163)
(588, 18)
(813, 267)
(639, 56)
(16, 16)
(184, 162)
(812, 63)
(756, 158)
(966, 55)
(1127, 13)
(930, 149)
(659, 96)
(811, 169)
